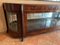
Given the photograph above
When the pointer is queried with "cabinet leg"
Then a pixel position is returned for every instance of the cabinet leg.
(22, 39)
(22, 35)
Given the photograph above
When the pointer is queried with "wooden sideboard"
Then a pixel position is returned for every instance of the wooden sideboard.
(22, 11)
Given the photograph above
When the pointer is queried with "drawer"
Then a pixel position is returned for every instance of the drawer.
(40, 8)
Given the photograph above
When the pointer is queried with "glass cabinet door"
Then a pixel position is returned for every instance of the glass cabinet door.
(12, 21)
(37, 21)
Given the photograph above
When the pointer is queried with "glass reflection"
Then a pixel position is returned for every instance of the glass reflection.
(12, 21)
(42, 20)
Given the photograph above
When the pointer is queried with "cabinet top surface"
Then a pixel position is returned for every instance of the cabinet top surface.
(29, 2)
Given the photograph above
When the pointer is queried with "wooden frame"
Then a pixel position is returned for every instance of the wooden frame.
(22, 10)
(18, 34)
(28, 8)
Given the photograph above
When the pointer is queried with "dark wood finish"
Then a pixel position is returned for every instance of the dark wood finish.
(22, 11)
(37, 9)
(20, 22)
(16, 9)
(40, 8)
(12, 7)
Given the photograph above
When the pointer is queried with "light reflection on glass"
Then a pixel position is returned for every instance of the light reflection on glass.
(42, 20)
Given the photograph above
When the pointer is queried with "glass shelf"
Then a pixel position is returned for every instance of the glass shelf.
(38, 21)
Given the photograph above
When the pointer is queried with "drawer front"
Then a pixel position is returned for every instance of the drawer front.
(40, 8)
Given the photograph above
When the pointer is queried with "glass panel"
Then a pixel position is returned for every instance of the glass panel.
(37, 21)
(12, 21)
